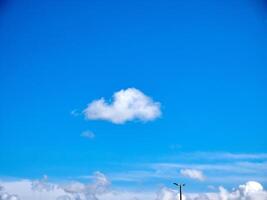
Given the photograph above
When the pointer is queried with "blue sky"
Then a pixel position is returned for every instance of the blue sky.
(204, 62)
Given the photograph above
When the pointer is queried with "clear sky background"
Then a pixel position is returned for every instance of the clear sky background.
(205, 62)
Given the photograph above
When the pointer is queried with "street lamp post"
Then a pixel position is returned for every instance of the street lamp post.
(180, 189)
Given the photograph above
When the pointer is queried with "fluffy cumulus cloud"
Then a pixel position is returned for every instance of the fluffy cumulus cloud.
(97, 189)
(87, 191)
(193, 174)
(250, 191)
(127, 105)
(42, 189)
(167, 194)
(42, 185)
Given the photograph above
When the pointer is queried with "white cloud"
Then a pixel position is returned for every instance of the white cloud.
(128, 195)
(252, 190)
(220, 172)
(42, 185)
(6, 196)
(249, 191)
(99, 190)
(127, 105)
(64, 197)
(166, 194)
(44, 190)
(88, 134)
(88, 191)
(24, 190)
(193, 174)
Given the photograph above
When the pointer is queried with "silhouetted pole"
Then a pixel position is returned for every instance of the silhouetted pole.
(180, 189)
(181, 197)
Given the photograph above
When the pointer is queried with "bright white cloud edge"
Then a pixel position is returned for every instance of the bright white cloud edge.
(127, 105)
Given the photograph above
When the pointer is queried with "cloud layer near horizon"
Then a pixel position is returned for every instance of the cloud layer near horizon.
(100, 189)
(127, 105)
(249, 191)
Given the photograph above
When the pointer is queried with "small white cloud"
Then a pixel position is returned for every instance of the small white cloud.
(127, 105)
(193, 174)
(75, 113)
(251, 187)
(88, 134)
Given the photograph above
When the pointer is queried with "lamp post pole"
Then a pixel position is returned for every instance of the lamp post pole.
(180, 189)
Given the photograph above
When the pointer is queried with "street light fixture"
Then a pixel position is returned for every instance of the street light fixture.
(180, 188)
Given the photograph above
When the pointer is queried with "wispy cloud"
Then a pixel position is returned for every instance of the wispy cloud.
(222, 171)
(232, 156)
(138, 175)
(88, 134)
(75, 113)
(236, 167)
(215, 156)
(127, 105)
